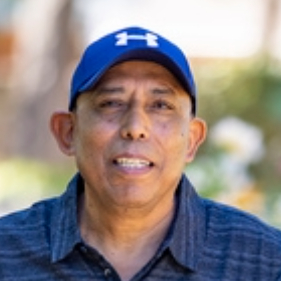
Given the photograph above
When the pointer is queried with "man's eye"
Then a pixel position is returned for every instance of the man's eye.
(160, 104)
(110, 104)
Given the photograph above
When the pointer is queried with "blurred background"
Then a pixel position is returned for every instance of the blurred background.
(234, 47)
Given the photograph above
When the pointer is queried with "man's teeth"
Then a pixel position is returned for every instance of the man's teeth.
(132, 163)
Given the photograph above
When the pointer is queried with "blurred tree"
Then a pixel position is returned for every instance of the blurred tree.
(271, 16)
(45, 47)
(7, 40)
(250, 90)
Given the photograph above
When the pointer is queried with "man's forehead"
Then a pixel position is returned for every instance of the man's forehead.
(151, 77)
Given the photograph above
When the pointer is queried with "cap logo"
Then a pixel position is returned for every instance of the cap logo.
(124, 37)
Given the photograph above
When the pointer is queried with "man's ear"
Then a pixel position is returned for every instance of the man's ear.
(62, 125)
(197, 135)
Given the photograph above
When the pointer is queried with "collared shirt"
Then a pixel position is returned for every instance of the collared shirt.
(206, 241)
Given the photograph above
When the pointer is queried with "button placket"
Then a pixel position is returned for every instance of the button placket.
(107, 272)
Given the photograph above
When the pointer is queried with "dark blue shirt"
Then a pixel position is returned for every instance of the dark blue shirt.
(206, 241)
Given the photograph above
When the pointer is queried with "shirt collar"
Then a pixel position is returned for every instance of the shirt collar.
(187, 237)
(64, 230)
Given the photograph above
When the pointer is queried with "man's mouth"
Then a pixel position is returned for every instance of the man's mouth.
(132, 163)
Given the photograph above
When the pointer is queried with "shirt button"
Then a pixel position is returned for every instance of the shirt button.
(107, 272)
(84, 249)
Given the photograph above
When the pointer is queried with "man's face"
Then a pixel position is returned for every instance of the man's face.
(133, 135)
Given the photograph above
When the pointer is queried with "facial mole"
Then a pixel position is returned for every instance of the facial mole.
(110, 120)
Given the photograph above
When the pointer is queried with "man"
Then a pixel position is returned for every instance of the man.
(130, 213)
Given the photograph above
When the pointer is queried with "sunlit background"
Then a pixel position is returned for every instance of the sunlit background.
(234, 47)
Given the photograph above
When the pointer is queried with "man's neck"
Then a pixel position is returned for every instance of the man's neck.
(128, 239)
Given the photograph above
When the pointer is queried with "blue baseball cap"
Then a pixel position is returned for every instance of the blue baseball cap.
(133, 43)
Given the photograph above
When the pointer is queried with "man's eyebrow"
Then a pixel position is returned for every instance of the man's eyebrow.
(163, 91)
(100, 90)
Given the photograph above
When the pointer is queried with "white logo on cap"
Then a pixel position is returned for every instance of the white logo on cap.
(124, 37)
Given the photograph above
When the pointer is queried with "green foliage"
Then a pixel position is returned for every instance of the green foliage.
(251, 90)
(206, 176)
(25, 181)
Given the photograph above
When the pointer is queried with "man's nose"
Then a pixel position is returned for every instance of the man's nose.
(135, 124)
